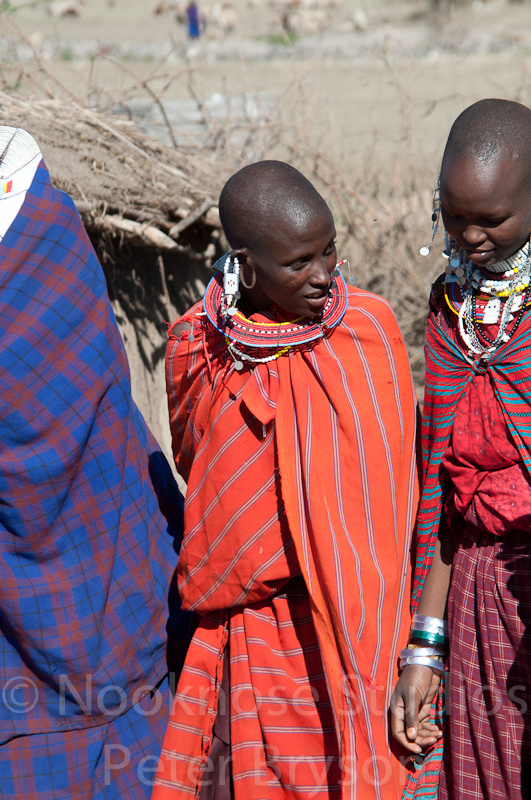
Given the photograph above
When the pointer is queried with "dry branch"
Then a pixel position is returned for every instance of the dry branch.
(143, 215)
(191, 219)
(123, 182)
(147, 234)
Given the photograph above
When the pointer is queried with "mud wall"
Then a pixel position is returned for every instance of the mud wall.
(148, 291)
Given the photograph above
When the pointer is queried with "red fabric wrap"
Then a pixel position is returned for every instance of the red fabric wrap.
(490, 483)
(328, 492)
(466, 395)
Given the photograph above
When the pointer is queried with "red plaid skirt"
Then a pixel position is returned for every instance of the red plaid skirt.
(488, 744)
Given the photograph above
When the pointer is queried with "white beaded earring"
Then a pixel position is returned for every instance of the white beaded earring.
(337, 272)
(425, 251)
(231, 285)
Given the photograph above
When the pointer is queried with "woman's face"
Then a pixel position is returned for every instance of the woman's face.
(486, 208)
(294, 270)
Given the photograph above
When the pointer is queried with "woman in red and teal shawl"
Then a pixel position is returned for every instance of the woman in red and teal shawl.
(86, 553)
(473, 565)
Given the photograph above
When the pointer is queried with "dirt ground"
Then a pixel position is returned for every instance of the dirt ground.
(367, 96)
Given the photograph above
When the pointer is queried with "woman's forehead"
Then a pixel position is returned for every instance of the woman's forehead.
(287, 233)
(501, 181)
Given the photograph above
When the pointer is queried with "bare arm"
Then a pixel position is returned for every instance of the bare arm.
(417, 685)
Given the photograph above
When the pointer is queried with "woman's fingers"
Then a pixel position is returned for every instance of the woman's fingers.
(428, 734)
(397, 710)
(413, 693)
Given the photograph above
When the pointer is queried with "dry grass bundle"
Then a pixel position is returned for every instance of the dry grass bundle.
(122, 181)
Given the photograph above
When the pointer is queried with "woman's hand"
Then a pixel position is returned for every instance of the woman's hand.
(415, 689)
(428, 733)
(410, 708)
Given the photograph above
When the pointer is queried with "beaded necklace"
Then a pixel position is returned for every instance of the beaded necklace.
(499, 288)
(487, 309)
(514, 292)
(485, 336)
(253, 342)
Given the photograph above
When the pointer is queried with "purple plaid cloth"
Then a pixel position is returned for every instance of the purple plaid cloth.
(488, 746)
(86, 555)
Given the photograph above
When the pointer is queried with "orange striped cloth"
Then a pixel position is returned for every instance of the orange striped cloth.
(304, 466)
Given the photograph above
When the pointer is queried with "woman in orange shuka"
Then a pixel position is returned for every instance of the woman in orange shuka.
(293, 422)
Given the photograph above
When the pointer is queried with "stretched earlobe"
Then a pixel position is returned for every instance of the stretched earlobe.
(252, 283)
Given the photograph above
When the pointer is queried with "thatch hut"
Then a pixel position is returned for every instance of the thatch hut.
(150, 211)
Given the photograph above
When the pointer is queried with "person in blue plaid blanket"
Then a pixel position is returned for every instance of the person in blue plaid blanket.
(86, 549)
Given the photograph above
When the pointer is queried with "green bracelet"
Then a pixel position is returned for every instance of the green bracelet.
(432, 638)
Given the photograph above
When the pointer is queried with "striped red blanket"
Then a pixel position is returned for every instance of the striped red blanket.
(303, 467)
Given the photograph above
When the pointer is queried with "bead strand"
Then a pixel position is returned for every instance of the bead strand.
(253, 343)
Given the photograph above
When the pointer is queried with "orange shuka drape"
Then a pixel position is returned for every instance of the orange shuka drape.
(305, 465)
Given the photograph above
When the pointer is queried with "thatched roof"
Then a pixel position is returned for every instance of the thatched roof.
(150, 211)
(121, 180)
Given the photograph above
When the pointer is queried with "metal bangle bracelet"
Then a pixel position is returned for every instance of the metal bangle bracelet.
(424, 652)
(426, 618)
(421, 633)
(421, 620)
(432, 663)
(418, 626)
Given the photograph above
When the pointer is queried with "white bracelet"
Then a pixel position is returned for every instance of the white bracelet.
(424, 652)
(432, 663)
(421, 622)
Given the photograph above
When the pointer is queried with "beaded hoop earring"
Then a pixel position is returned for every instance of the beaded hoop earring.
(425, 251)
(242, 279)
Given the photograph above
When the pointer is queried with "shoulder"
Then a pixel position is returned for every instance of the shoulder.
(370, 323)
(437, 294)
(371, 344)
(185, 324)
(372, 307)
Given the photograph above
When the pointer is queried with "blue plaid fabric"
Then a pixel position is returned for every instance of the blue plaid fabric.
(86, 554)
(115, 761)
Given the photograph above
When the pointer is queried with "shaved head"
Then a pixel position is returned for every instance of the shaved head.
(263, 195)
(485, 181)
(490, 131)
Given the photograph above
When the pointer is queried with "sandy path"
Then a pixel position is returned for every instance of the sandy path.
(367, 114)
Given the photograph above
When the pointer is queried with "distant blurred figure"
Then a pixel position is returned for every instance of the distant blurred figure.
(196, 20)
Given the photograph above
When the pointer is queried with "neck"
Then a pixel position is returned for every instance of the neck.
(254, 298)
(512, 261)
